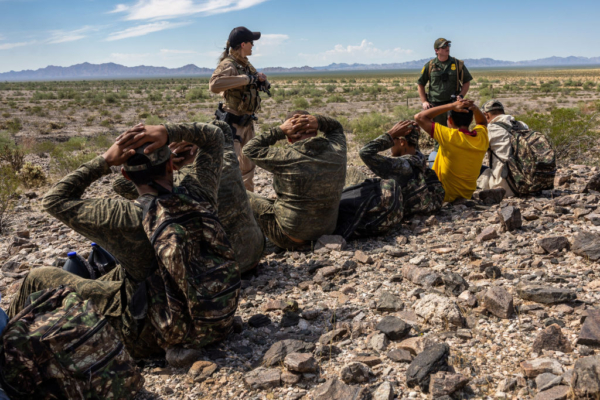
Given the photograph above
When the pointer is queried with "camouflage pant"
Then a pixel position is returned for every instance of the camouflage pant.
(265, 216)
(139, 339)
(247, 167)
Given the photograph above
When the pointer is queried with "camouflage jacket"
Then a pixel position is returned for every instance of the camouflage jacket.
(116, 224)
(308, 178)
(408, 171)
(234, 212)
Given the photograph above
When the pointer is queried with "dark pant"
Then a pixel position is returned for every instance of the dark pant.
(264, 212)
(441, 119)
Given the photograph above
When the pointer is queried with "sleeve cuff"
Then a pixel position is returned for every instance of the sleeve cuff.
(432, 129)
(278, 133)
(100, 164)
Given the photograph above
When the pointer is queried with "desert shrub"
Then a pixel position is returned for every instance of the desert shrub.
(101, 141)
(316, 102)
(300, 103)
(111, 98)
(107, 123)
(196, 94)
(368, 126)
(8, 189)
(336, 98)
(14, 125)
(6, 140)
(65, 162)
(43, 96)
(403, 112)
(67, 94)
(74, 143)
(43, 147)
(154, 120)
(568, 129)
(155, 96)
(13, 156)
(31, 175)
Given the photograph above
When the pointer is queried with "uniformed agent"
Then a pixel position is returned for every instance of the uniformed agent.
(240, 83)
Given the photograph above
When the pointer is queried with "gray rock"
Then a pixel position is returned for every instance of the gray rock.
(334, 389)
(331, 242)
(290, 318)
(553, 243)
(327, 352)
(551, 338)
(586, 378)
(263, 378)
(454, 284)
(363, 258)
(202, 370)
(379, 342)
(488, 233)
(593, 184)
(439, 310)
(355, 372)
(587, 245)
(545, 294)
(535, 367)
(389, 302)
(510, 218)
(300, 362)
(556, 393)
(590, 331)
(385, 391)
(421, 276)
(498, 302)
(565, 201)
(279, 350)
(333, 336)
(547, 381)
(400, 355)
(444, 383)
(493, 272)
(393, 327)
(431, 360)
(492, 196)
(259, 320)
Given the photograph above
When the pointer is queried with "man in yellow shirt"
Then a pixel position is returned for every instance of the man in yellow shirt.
(459, 159)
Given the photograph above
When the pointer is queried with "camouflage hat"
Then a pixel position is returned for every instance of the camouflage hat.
(157, 157)
(492, 105)
(413, 136)
(441, 42)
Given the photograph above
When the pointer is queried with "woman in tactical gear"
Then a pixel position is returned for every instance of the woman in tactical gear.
(240, 83)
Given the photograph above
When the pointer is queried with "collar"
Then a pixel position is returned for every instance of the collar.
(468, 133)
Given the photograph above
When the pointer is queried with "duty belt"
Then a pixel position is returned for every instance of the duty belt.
(230, 119)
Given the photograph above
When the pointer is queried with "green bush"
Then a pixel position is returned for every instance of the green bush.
(336, 98)
(9, 182)
(196, 94)
(6, 140)
(300, 103)
(154, 120)
(32, 176)
(74, 143)
(368, 126)
(568, 129)
(155, 96)
(14, 125)
(65, 162)
(111, 98)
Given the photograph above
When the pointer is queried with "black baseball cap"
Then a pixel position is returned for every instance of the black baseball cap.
(241, 35)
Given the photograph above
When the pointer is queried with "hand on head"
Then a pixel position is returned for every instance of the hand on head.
(402, 128)
(182, 153)
(300, 125)
(463, 106)
(141, 134)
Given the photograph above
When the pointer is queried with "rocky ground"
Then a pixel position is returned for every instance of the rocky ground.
(491, 298)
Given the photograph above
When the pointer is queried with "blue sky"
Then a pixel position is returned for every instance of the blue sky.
(172, 33)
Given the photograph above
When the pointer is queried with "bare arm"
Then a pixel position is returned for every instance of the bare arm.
(478, 115)
(423, 97)
(465, 89)
(425, 118)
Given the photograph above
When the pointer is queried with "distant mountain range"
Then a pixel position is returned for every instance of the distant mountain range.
(116, 71)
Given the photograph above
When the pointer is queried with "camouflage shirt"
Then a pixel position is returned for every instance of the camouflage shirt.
(401, 169)
(234, 212)
(116, 224)
(308, 178)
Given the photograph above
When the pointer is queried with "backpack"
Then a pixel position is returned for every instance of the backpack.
(60, 347)
(193, 296)
(369, 208)
(532, 164)
(424, 194)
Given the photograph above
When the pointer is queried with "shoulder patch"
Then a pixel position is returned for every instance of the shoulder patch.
(423, 70)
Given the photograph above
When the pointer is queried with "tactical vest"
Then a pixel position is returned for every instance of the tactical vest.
(243, 99)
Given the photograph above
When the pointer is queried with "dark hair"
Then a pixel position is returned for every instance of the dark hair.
(292, 113)
(461, 119)
(225, 53)
(145, 176)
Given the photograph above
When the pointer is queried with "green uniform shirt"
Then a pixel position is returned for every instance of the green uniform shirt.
(442, 88)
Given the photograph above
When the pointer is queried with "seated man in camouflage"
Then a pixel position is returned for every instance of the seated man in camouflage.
(422, 192)
(235, 213)
(117, 226)
(308, 178)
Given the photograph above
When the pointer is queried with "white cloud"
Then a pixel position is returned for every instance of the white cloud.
(164, 9)
(142, 30)
(8, 46)
(269, 44)
(60, 36)
(119, 8)
(365, 52)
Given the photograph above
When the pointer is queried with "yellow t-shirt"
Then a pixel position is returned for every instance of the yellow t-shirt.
(459, 159)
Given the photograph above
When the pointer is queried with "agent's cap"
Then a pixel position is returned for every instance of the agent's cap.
(492, 105)
(141, 161)
(241, 35)
(441, 42)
